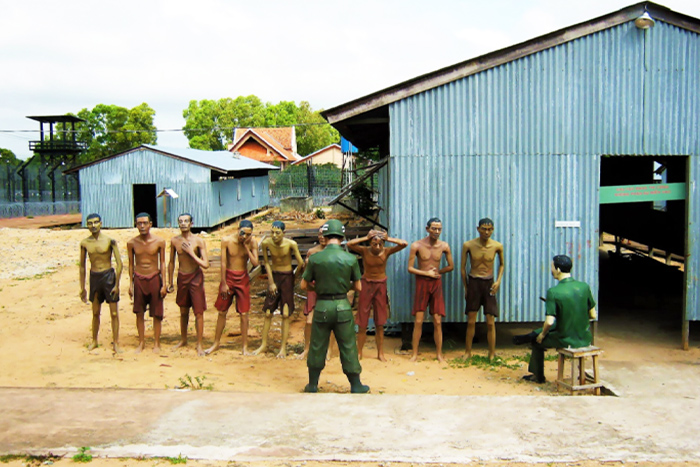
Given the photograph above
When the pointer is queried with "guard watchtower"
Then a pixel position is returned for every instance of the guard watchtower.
(58, 146)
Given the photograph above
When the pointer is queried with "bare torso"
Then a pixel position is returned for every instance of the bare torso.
(374, 264)
(186, 264)
(99, 251)
(279, 256)
(146, 253)
(236, 253)
(429, 256)
(482, 257)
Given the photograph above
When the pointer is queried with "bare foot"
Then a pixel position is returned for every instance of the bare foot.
(116, 349)
(441, 359)
(260, 350)
(381, 357)
(303, 355)
(180, 345)
(140, 348)
(244, 351)
(156, 349)
(92, 346)
(212, 349)
(491, 357)
(200, 351)
(282, 354)
(467, 356)
(359, 355)
(414, 358)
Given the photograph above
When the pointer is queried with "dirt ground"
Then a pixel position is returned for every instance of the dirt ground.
(45, 331)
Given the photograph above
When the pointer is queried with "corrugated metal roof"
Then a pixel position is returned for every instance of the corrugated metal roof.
(223, 161)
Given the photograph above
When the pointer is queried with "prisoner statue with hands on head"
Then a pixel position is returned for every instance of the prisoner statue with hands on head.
(428, 252)
(146, 254)
(236, 252)
(191, 252)
(333, 272)
(374, 293)
(480, 289)
(104, 281)
(277, 255)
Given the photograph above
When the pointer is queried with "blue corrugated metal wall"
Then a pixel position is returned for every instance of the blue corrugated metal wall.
(521, 143)
(107, 188)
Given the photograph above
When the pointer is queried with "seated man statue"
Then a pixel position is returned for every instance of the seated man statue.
(570, 305)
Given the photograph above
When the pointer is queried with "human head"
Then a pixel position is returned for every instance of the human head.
(434, 228)
(277, 232)
(245, 230)
(93, 222)
(376, 241)
(143, 223)
(184, 221)
(321, 239)
(485, 228)
(333, 229)
(561, 264)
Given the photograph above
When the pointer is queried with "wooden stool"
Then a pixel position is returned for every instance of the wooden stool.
(578, 355)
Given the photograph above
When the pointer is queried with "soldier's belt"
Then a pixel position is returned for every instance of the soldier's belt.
(337, 296)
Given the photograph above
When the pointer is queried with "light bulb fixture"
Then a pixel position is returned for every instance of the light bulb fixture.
(645, 21)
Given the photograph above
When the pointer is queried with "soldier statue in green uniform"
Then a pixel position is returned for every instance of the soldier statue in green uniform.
(335, 272)
(570, 306)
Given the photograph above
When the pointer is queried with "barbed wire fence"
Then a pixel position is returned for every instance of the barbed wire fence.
(41, 190)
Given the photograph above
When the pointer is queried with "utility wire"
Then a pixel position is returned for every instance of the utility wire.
(215, 128)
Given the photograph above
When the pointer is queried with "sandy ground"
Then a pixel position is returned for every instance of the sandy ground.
(45, 330)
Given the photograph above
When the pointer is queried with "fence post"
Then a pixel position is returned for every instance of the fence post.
(310, 180)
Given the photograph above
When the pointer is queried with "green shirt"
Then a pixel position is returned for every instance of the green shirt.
(569, 302)
(334, 270)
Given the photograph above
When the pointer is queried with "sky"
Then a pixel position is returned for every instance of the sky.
(61, 57)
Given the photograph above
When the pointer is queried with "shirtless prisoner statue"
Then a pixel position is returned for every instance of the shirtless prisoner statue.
(191, 252)
(480, 289)
(104, 281)
(146, 274)
(311, 297)
(429, 252)
(277, 254)
(374, 294)
(236, 252)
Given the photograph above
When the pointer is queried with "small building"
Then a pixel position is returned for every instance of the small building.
(213, 186)
(331, 154)
(270, 145)
(557, 139)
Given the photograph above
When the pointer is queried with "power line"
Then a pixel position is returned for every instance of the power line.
(215, 128)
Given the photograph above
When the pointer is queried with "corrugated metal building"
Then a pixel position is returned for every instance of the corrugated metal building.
(523, 135)
(214, 186)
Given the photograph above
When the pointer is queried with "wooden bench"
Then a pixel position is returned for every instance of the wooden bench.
(577, 356)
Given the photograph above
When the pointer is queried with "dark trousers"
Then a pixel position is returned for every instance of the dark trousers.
(333, 316)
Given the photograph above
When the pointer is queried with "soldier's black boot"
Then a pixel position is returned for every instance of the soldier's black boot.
(314, 374)
(356, 386)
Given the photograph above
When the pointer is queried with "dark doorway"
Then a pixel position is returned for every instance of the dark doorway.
(145, 201)
(642, 270)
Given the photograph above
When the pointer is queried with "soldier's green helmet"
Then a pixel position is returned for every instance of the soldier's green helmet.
(333, 227)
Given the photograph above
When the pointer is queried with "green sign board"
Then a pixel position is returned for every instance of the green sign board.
(640, 193)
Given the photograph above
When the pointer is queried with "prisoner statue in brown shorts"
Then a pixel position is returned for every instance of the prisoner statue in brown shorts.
(147, 278)
(374, 293)
(277, 254)
(191, 252)
(104, 281)
(480, 288)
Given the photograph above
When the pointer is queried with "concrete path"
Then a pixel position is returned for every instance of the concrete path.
(248, 427)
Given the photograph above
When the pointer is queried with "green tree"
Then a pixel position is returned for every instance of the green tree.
(209, 124)
(8, 157)
(109, 129)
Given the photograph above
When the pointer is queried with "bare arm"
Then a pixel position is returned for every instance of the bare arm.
(271, 287)
(120, 266)
(450, 263)
(161, 257)
(592, 314)
(399, 245)
(83, 260)
(354, 244)
(463, 266)
(171, 266)
(357, 285)
(548, 322)
(412, 262)
(251, 247)
(501, 267)
(130, 255)
(297, 256)
(223, 288)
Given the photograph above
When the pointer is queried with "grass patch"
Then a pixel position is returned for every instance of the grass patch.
(83, 455)
(176, 460)
(7, 458)
(297, 348)
(37, 276)
(30, 459)
(196, 383)
(483, 363)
